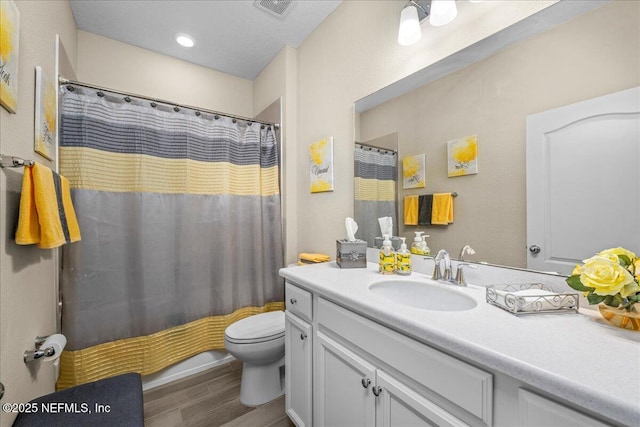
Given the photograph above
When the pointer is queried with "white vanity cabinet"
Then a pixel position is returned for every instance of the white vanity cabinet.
(368, 375)
(298, 343)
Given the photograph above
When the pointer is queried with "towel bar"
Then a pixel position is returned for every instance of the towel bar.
(14, 162)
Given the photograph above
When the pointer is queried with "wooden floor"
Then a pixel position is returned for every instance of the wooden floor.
(211, 398)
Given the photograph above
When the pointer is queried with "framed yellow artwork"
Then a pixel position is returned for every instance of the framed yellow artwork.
(46, 115)
(321, 165)
(463, 156)
(9, 38)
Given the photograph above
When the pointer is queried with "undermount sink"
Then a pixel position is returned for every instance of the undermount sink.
(421, 294)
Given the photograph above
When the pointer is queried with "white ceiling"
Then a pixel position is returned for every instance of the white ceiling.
(232, 36)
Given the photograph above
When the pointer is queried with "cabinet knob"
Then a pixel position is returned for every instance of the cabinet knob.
(534, 249)
(366, 382)
(377, 390)
(293, 300)
(303, 335)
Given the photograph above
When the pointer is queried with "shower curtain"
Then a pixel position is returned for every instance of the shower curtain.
(181, 226)
(375, 190)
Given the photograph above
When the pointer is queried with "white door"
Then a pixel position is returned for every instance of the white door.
(583, 180)
(298, 369)
(342, 386)
(400, 406)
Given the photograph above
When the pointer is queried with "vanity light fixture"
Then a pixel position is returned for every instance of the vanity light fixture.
(440, 12)
(185, 40)
(410, 18)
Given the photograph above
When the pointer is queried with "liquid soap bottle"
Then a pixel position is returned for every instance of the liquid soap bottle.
(387, 263)
(416, 247)
(403, 260)
(425, 248)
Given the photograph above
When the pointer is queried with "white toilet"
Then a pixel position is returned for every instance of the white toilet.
(258, 341)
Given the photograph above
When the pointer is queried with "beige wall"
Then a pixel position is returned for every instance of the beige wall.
(590, 56)
(27, 274)
(353, 53)
(279, 79)
(116, 65)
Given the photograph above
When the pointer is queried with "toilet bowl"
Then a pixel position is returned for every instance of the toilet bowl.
(258, 342)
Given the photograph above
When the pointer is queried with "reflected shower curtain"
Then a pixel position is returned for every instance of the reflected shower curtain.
(181, 226)
(375, 179)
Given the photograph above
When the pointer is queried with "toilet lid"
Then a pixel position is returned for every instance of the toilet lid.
(257, 327)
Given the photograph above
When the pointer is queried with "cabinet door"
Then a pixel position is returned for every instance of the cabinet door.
(400, 406)
(342, 386)
(537, 411)
(298, 372)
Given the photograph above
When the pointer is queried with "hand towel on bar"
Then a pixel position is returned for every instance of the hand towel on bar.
(410, 210)
(442, 211)
(47, 217)
(307, 258)
(425, 207)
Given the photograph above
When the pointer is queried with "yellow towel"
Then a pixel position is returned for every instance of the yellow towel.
(306, 258)
(442, 210)
(411, 210)
(46, 215)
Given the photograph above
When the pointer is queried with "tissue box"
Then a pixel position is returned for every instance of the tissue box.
(351, 254)
(395, 242)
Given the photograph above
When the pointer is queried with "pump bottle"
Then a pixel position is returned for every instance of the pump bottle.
(403, 260)
(416, 247)
(387, 263)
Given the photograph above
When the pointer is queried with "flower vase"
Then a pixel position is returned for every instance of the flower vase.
(627, 319)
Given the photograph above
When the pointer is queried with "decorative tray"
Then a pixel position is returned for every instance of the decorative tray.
(531, 298)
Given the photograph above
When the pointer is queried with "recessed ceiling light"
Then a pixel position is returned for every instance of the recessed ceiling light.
(185, 40)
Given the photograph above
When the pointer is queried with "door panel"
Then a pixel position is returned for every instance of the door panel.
(343, 386)
(582, 180)
(400, 406)
(298, 351)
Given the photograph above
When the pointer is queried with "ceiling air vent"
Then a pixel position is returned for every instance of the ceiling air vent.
(278, 8)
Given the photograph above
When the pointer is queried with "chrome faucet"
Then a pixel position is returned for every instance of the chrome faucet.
(437, 272)
(466, 249)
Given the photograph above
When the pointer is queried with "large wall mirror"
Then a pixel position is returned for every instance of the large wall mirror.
(556, 60)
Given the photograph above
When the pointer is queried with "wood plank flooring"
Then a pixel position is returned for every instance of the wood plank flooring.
(210, 398)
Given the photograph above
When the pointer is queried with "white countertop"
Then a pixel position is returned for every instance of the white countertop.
(575, 356)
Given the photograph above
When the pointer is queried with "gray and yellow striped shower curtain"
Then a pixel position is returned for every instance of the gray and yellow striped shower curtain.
(375, 179)
(181, 226)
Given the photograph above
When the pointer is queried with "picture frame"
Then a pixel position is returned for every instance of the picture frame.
(321, 165)
(462, 156)
(9, 44)
(46, 115)
(414, 171)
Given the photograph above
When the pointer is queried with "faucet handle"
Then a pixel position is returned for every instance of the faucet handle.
(460, 280)
(437, 273)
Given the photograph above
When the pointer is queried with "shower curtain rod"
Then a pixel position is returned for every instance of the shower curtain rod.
(63, 81)
(376, 148)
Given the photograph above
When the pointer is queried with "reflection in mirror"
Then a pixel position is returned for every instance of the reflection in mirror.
(591, 55)
(375, 188)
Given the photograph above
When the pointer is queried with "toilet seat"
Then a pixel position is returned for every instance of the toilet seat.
(258, 328)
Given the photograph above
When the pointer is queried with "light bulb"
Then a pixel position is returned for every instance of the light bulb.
(442, 12)
(409, 31)
(184, 40)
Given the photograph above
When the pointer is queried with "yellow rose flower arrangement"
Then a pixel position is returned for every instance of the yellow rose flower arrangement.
(609, 277)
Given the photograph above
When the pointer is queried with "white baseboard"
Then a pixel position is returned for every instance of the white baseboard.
(196, 364)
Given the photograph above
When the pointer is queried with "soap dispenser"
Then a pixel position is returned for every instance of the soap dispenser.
(403, 260)
(416, 247)
(425, 248)
(387, 263)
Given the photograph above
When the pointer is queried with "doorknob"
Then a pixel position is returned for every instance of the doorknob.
(534, 249)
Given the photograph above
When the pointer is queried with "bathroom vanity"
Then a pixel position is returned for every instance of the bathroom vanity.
(356, 358)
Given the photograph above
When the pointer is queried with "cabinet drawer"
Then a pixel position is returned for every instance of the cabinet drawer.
(461, 383)
(298, 301)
